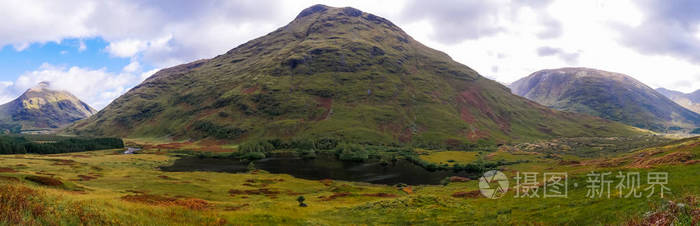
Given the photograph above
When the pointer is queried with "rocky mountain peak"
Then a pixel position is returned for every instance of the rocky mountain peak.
(41, 107)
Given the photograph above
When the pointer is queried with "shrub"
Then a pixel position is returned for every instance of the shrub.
(326, 143)
(308, 154)
(256, 146)
(301, 200)
(351, 152)
(303, 144)
(217, 131)
(445, 181)
(223, 114)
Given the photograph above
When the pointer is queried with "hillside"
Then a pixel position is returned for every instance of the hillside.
(42, 108)
(690, 101)
(609, 95)
(338, 73)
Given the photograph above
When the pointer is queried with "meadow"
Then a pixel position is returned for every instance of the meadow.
(108, 187)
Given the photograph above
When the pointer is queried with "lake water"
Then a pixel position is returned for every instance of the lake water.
(323, 167)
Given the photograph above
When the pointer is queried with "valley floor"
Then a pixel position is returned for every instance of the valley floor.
(109, 187)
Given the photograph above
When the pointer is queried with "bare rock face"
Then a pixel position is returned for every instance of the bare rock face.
(42, 108)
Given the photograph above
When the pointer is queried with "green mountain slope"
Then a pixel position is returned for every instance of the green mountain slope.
(609, 95)
(334, 72)
(690, 101)
(41, 108)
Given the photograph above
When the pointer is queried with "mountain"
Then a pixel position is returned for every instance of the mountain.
(41, 108)
(690, 100)
(609, 95)
(339, 73)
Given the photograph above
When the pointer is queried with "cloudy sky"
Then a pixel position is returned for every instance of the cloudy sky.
(100, 49)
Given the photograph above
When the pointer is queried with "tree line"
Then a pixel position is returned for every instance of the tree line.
(21, 145)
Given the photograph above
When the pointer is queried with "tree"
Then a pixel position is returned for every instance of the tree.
(301, 200)
(251, 166)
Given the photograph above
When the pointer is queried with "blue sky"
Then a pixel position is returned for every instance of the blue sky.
(66, 53)
(655, 41)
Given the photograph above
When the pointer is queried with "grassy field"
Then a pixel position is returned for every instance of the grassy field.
(451, 157)
(107, 187)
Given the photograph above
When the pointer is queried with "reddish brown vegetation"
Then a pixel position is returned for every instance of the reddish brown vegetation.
(46, 173)
(471, 194)
(472, 98)
(402, 133)
(137, 192)
(466, 115)
(250, 90)
(691, 162)
(381, 194)
(8, 178)
(289, 192)
(166, 177)
(459, 179)
(647, 159)
(326, 182)
(673, 158)
(261, 191)
(64, 162)
(16, 201)
(204, 145)
(7, 170)
(157, 200)
(569, 162)
(334, 196)
(234, 208)
(261, 182)
(192, 203)
(325, 103)
(86, 177)
(24, 206)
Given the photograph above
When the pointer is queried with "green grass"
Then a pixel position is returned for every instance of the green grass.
(451, 157)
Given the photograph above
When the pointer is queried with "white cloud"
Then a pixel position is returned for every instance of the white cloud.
(126, 48)
(132, 67)
(20, 46)
(586, 40)
(82, 46)
(5, 92)
(28, 21)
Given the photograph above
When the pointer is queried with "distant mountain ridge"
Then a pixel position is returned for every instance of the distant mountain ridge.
(334, 73)
(609, 95)
(42, 108)
(688, 100)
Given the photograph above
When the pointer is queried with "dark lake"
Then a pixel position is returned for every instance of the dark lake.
(323, 167)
